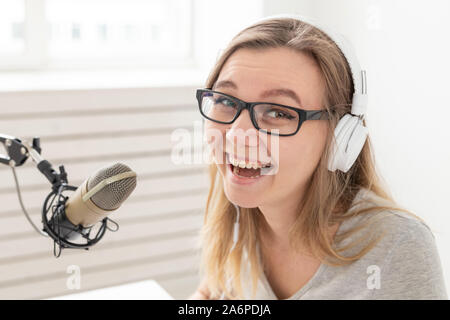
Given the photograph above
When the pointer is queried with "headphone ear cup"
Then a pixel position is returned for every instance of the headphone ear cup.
(336, 145)
(355, 145)
(350, 136)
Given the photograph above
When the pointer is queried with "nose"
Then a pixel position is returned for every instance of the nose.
(243, 122)
(242, 133)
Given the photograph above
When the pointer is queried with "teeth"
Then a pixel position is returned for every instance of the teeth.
(248, 165)
(233, 161)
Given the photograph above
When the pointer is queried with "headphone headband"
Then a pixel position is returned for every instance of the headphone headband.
(359, 100)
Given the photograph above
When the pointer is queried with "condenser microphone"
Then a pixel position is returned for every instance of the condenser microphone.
(97, 197)
(67, 218)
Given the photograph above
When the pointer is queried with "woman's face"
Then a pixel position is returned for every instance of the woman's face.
(249, 75)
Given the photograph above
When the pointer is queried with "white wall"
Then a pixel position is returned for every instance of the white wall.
(216, 23)
(404, 46)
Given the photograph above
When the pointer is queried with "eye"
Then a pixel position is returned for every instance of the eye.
(279, 114)
(225, 101)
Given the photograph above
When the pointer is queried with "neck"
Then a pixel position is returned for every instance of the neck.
(277, 222)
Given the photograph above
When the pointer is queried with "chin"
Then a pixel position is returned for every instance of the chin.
(243, 200)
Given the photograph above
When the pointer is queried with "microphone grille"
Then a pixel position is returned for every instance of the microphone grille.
(113, 195)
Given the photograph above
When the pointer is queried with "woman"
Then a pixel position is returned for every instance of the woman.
(305, 232)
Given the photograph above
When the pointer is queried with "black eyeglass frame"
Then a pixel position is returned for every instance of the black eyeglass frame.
(304, 115)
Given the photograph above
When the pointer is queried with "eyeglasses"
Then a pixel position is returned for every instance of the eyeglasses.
(266, 117)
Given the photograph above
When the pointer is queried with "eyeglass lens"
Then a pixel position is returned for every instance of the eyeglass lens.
(268, 117)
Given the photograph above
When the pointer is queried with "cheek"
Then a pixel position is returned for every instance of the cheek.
(214, 140)
(301, 154)
(214, 137)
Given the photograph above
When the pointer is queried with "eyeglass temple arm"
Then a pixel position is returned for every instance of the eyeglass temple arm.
(316, 115)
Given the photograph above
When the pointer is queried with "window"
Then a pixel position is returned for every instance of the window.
(115, 43)
(12, 21)
(94, 33)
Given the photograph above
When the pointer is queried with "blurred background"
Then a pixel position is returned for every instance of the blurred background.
(104, 81)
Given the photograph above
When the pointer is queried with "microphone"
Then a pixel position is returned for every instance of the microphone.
(69, 218)
(98, 196)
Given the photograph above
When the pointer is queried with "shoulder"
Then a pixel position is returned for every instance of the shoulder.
(392, 230)
(395, 224)
(395, 228)
(400, 228)
(403, 229)
(406, 255)
(410, 264)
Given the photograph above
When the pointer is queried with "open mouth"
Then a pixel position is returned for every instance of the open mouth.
(247, 170)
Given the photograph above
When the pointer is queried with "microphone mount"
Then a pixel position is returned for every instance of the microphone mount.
(61, 230)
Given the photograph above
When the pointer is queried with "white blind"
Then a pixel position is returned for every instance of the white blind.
(85, 130)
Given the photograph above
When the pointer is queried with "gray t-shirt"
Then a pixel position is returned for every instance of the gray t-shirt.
(405, 264)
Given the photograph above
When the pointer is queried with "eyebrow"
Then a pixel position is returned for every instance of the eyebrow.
(268, 93)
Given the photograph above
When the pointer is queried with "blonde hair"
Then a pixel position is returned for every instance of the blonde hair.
(329, 197)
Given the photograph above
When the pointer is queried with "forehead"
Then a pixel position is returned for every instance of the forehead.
(254, 71)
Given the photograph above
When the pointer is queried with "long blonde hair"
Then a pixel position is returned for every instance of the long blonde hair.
(329, 197)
